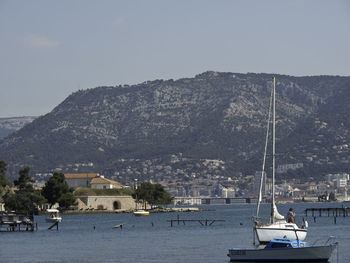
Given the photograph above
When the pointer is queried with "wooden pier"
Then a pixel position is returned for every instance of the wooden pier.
(203, 222)
(329, 211)
(14, 222)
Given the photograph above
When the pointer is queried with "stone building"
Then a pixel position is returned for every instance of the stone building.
(108, 203)
(99, 202)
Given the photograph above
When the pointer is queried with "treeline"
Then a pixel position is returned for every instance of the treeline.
(24, 198)
(153, 194)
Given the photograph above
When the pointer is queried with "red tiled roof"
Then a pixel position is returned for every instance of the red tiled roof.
(80, 176)
(102, 180)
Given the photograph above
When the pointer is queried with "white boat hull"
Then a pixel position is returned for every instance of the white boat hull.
(266, 233)
(141, 213)
(306, 254)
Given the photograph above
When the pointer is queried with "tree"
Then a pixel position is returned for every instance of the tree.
(161, 197)
(154, 194)
(24, 182)
(332, 197)
(56, 190)
(25, 199)
(3, 181)
(66, 200)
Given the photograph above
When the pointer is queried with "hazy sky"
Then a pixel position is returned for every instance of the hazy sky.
(49, 49)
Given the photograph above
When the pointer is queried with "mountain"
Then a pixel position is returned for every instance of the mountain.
(139, 130)
(9, 125)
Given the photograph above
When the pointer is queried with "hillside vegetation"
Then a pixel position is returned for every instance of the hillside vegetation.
(172, 127)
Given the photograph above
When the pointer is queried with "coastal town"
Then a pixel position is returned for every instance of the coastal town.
(189, 182)
(207, 184)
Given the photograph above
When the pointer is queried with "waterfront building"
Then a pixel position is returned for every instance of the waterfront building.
(228, 193)
(178, 200)
(107, 203)
(80, 179)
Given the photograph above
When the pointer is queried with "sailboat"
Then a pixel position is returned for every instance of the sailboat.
(277, 227)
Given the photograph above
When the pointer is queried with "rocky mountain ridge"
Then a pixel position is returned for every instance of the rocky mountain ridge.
(213, 116)
(9, 125)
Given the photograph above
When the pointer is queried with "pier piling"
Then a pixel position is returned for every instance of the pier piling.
(55, 224)
(203, 222)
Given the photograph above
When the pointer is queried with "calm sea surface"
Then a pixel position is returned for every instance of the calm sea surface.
(139, 241)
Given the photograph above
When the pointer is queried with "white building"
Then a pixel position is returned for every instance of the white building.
(332, 177)
(283, 168)
(341, 183)
(228, 192)
(188, 200)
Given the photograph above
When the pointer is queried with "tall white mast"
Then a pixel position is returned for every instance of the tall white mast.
(263, 174)
(273, 149)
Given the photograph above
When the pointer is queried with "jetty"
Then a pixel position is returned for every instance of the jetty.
(329, 211)
(203, 222)
(16, 222)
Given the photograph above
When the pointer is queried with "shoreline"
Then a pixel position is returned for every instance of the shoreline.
(156, 210)
(171, 210)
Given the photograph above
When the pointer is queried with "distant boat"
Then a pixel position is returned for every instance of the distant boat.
(284, 250)
(277, 227)
(141, 212)
(54, 216)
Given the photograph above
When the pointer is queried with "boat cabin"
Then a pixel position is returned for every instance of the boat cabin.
(53, 212)
(285, 243)
(54, 216)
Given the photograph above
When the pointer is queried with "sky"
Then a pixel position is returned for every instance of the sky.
(50, 49)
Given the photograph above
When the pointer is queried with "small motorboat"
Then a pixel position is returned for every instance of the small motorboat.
(54, 216)
(141, 213)
(284, 250)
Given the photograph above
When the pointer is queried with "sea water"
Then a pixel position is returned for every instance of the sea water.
(92, 238)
